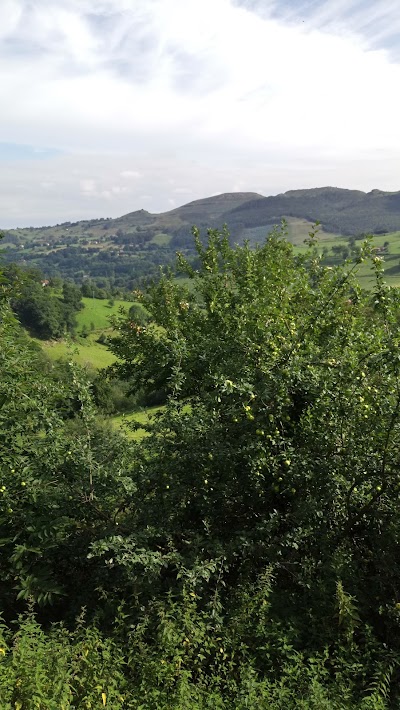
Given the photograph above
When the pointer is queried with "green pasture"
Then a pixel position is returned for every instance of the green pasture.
(86, 352)
(95, 316)
(144, 416)
(365, 274)
(299, 229)
(161, 239)
(97, 311)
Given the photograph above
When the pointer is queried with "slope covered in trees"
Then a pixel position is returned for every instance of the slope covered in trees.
(341, 211)
(244, 554)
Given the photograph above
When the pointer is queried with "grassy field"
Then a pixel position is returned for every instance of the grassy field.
(121, 422)
(365, 275)
(86, 352)
(161, 239)
(97, 311)
(299, 230)
(95, 316)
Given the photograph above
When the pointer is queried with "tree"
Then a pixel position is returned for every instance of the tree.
(39, 311)
(280, 439)
(138, 314)
(341, 250)
(71, 304)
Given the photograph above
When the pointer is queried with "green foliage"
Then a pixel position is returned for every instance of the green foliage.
(43, 313)
(190, 662)
(72, 296)
(112, 396)
(280, 438)
(40, 312)
(59, 485)
(60, 670)
(138, 314)
(242, 554)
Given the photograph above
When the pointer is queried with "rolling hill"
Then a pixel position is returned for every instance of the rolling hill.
(122, 251)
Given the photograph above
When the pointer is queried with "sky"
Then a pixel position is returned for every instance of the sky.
(109, 106)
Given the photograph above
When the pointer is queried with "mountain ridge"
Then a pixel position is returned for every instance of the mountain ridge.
(238, 202)
(139, 241)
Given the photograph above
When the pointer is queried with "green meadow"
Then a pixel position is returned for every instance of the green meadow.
(143, 416)
(95, 318)
(97, 312)
(85, 352)
(161, 239)
(365, 275)
(298, 230)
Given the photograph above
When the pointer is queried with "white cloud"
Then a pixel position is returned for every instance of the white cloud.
(10, 16)
(130, 174)
(88, 187)
(206, 95)
(377, 24)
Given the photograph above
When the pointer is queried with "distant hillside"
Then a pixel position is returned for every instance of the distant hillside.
(118, 252)
(213, 207)
(124, 250)
(341, 211)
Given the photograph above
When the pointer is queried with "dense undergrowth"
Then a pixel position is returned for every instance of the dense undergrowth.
(187, 663)
(244, 554)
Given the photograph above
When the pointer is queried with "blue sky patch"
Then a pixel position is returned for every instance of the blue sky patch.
(19, 151)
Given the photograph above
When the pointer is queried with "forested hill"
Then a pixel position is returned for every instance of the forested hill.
(124, 250)
(340, 211)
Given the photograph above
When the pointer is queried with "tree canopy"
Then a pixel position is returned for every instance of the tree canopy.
(245, 550)
(279, 443)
